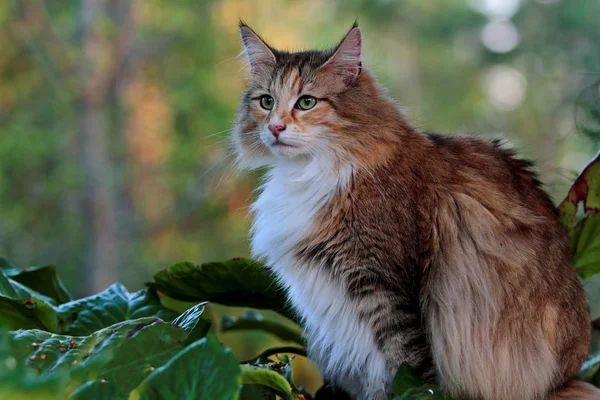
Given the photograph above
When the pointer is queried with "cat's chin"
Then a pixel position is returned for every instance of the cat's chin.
(284, 150)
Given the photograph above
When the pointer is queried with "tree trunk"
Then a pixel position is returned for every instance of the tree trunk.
(98, 202)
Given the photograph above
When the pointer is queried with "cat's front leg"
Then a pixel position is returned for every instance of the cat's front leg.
(389, 305)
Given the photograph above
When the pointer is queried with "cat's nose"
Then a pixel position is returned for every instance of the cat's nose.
(276, 129)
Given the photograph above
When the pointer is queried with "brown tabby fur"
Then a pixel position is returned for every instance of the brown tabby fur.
(447, 245)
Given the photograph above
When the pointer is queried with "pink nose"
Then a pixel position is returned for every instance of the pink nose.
(276, 129)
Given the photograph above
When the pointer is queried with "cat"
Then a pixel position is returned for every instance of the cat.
(398, 246)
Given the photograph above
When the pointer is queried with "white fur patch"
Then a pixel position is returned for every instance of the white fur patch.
(339, 343)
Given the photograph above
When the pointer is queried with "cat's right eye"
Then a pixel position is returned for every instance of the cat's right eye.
(267, 102)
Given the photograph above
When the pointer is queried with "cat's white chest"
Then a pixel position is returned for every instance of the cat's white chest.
(284, 215)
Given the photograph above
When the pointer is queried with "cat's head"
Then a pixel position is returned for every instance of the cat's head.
(306, 105)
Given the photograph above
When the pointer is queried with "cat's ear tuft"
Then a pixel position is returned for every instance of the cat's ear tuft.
(346, 61)
(259, 55)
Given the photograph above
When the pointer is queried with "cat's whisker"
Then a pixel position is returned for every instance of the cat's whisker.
(218, 133)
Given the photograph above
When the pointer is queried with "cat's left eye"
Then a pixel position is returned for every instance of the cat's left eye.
(267, 102)
(306, 103)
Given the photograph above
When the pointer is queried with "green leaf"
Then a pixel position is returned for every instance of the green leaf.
(135, 359)
(584, 231)
(111, 306)
(15, 290)
(146, 303)
(253, 375)
(585, 240)
(592, 292)
(47, 352)
(29, 313)
(203, 370)
(176, 305)
(43, 280)
(191, 320)
(237, 282)
(251, 320)
(123, 354)
(21, 307)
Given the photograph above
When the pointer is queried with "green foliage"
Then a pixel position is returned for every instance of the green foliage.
(130, 346)
(238, 282)
(584, 227)
(122, 345)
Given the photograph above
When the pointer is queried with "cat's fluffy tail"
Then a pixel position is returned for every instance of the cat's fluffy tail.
(575, 390)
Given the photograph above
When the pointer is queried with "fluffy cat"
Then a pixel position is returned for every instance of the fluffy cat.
(400, 246)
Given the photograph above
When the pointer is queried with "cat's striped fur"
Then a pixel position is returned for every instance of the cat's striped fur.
(399, 246)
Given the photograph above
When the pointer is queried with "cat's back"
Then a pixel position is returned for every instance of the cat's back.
(427, 171)
(486, 170)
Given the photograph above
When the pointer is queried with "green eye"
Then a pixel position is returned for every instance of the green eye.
(267, 102)
(306, 102)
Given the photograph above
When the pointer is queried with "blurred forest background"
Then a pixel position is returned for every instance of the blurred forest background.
(115, 114)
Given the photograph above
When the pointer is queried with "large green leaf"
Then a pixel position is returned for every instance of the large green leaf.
(251, 320)
(111, 306)
(203, 371)
(46, 352)
(123, 354)
(43, 280)
(136, 359)
(237, 282)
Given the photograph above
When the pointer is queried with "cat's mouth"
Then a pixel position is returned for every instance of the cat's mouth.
(284, 149)
(279, 143)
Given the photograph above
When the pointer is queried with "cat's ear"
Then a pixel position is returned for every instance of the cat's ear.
(346, 61)
(260, 56)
